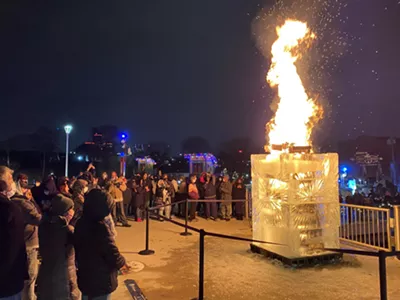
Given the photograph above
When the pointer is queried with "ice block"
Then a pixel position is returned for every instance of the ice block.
(296, 202)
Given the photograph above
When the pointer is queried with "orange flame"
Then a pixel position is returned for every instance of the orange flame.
(297, 113)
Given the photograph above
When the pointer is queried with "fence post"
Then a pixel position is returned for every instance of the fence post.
(147, 251)
(382, 275)
(201, 265)
(396, 216)
(186, 233)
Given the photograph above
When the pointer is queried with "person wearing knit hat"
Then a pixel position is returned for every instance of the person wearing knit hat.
(57, 276)
(96, 252)
(61, 205)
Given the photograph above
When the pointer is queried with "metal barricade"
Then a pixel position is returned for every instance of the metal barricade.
(368, 226)
(396, 215)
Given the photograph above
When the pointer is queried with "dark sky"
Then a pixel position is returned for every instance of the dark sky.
(167, 69)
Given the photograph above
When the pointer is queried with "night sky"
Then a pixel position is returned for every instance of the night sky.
(166, 69)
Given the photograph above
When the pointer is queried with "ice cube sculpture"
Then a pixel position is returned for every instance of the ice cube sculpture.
(296, 203)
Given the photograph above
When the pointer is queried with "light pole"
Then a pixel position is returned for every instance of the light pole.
(68, 129)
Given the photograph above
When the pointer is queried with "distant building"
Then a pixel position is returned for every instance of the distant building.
(375, 147)
(100, 147)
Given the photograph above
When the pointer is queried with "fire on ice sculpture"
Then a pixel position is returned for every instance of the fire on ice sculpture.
(295, 202)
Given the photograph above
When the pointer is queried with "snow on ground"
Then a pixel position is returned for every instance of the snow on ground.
(233, 272)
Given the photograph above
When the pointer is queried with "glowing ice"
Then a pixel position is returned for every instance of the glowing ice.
(296, 202)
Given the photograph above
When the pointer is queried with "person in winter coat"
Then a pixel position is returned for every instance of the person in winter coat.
(97, 255)
(103, 180)
(239, 193)
(63, 186)
(32, 218)
(181, 195)
(116, 187)
(94, 184)
(226, 195)
(193, 194)
(140, 199)
(148, 185)
(79, 189)
(170, 195)
(45, 193)
(127, 196)
(13, 263)
(57, 274)
(162, 199)
(210, 193)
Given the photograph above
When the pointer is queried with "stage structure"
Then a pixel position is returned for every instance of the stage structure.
(295, 193)
(201, 162)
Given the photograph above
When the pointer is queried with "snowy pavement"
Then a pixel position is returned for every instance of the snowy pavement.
(233, 272)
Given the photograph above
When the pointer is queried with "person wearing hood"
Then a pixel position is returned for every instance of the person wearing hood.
(13, 268)
(57, 275)
(79, 189)
(32, 218)
(47, 190)
(97, 255)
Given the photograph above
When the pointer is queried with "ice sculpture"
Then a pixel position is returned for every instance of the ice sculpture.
(296, 203)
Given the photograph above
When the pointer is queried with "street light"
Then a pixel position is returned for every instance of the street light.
(68, 129)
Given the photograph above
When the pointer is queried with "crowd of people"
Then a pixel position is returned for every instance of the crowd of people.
(71, 224)
(162, 191)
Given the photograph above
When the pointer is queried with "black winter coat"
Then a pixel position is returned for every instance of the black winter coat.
(57, 275)
(140, 198)
(238, 193)
(98, 258)
(127, 196)
(210, 191)
(13, 266)
(32, 219)
(97, 255)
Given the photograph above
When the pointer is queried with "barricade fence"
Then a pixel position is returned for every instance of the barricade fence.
(372, 227)
(363, 213)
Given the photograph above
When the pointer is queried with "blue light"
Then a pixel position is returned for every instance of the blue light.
(80, 157)
(344, 169)
(123, 136)
(352, 185)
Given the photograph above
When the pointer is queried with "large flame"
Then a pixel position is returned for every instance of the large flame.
(296, 113)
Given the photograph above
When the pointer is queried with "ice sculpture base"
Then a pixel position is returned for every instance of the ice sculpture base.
(295, 202)
(305, 261)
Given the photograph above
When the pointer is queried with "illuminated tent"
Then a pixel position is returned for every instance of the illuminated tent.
(201, 162)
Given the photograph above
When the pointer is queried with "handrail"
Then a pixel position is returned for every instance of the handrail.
(364, 207)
